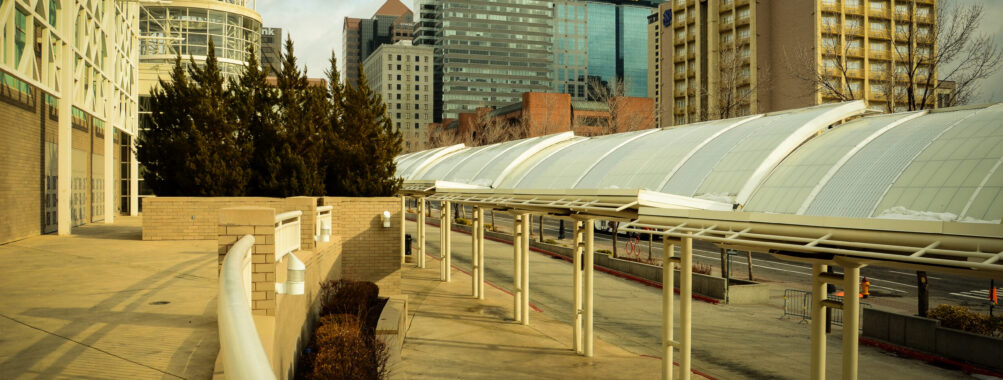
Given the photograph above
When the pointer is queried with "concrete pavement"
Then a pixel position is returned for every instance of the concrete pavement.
(730, 342)
(104, 304)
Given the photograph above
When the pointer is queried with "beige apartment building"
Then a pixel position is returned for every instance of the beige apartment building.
(726, 58)
(402, 74)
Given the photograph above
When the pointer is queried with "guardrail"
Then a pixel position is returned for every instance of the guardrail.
(287, 233)
(322, 231)
(797, 303)
(243, 355)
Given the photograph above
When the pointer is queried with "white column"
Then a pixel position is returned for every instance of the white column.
(448, 246)
(851, 319)
(589, 266)
(480, 254)
(403, 228)
(421, 232)
(64, 148)
(685, 307)
(525, 268)
(109, 157)
(474, 260)
(517, 266)
(668, 314)
(576, 264)
(133, 178)
(818, 294)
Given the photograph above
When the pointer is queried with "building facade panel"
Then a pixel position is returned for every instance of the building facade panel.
(402, 74)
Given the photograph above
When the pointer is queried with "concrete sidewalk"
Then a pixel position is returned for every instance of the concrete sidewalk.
(104, 304)
(730, 342)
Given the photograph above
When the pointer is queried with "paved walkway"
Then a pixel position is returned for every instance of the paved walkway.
(104, 304)
(730, 342)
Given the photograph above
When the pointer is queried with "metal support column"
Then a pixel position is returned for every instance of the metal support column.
(851, 319)
(480, 254)
(475, 271)
(818, 294)
(668, 316)
(403, 228)
(447, 240)
(64, 139)
(589, 267)
(421, 232)
(517, 266)
(685, 307)
(525, 268)
(579, 249)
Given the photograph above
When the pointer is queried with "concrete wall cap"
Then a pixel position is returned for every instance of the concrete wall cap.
(247, 215)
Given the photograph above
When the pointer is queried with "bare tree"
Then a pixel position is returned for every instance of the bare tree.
(491, 130)
(440, 136)
(620, 116)
(834, 79)
(736, 84)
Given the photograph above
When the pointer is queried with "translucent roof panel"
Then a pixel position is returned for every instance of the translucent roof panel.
(466, 171)
(645, 163)
(504, 163)
(440, 169)
(788, 187)
(858, 186)
(521, 169)
(727, 164)
(407, 167)
(564, 168)
(945, 176)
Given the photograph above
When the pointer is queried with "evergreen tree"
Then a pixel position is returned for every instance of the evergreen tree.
(254, 104)
(365, 146)
(194, 146)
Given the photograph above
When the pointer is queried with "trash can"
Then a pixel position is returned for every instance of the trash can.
(407, 244)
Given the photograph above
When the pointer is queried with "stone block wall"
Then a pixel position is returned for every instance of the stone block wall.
(234, 224)
(195, 218)
(370, 252)
(21, 186)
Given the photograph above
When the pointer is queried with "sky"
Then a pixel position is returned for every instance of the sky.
(316, 25)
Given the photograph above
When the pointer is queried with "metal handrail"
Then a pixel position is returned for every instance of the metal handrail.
(243, 354)
(287, 233)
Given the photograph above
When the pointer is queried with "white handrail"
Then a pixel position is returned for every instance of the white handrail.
(287, 233)
(243, 355)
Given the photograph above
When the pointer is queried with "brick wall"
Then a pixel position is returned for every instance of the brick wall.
(195, 218)
(370, 252)
(21, 181)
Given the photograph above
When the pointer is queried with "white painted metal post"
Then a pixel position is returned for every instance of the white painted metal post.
(109, 157)
(442, 241)
(851, 319)
(475, 271)
(517, 266)
(576, 264)
(480, 254)
(421, 232)
(448, 245)
(685, 307)
(818, 294)
(668, 316)
(133, 176)
(589, 266)
(525, 268)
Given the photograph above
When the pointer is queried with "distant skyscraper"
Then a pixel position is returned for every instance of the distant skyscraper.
(487, 53)
(393, 22)
(271, 49)
(402, 74)
(603, 42)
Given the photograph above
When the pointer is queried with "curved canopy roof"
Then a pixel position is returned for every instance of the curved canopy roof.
(941, 165)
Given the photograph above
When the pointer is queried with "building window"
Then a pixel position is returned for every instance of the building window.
(398, 57)
(398, 77)
(20, 35)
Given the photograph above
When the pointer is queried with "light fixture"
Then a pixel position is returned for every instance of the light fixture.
(386, 219)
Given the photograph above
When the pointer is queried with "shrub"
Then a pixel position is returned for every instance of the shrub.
(550, 241)
(701, 268)
(604, 251)
(343, 351)
(348, 297)
(961, 318)
(464, 221)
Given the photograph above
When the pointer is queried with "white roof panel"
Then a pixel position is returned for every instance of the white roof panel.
(565, 168)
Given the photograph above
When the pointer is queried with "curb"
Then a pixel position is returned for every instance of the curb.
(928, 358)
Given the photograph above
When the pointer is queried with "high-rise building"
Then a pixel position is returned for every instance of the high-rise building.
(393, 22)
(402, 74)
(271, 49)
(487, 53)
(601, 42)
(735, 57)
(68, 114)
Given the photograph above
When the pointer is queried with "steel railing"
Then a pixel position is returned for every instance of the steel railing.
(287, 233)
(797, 303)
(243, 355)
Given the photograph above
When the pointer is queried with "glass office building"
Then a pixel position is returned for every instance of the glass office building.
(601, 42)
(487, 53)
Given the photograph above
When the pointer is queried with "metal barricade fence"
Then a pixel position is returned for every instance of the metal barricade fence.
(797, 303)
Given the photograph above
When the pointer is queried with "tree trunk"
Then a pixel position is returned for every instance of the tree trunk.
(724, 263)
(922, 287)
(541, 228)
(560, 231)
(748, 256)
(493, 220)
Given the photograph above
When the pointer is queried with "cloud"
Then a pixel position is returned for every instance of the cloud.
(314, 25)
